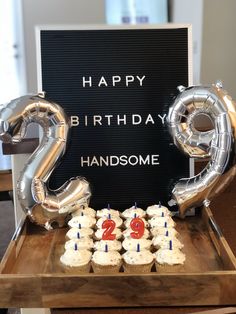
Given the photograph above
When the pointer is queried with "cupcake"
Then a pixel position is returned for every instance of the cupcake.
(106, 211)
(130, 244)
(133, 212)
(139, 261)
(112, 245)
(76, 233)
(128, 221)
(163, 242)
(171, 232)
(79, 244)
(118, 221)
(76, 261)
(169, 260)
(157, 210)
(98, 234)
(86, 211)
(164, 222)
(128, 231)
(82, 221)
(106, 261)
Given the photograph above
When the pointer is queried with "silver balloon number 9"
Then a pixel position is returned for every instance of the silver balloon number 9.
(217, 144)
(43, 205)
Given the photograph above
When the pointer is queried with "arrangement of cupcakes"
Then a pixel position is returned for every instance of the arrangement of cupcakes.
(168, 256)
(77, 255)
(131, 241)
(106, 257)
(138, 257)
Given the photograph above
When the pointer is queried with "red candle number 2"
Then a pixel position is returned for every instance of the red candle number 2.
(137, 225)
(109, 225)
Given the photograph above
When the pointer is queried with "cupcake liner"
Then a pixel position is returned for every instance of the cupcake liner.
(77, 269)
(165, 268)
(131, 268)
(108, 269)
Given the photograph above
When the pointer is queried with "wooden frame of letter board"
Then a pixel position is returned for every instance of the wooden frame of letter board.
(122, 27)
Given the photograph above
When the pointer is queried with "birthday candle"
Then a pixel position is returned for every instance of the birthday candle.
(135, 205)
(106, 248)
(82, 214)
(159, 204)
(165, 225)
(79, 226)
(170, 245)
(162, 214)
(138, 247)
(109, 216)
(167, 233)
(76, 247)
(135, 215)
(108, 206)
(78, 235)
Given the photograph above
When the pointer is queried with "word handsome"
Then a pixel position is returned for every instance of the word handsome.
(123, 160)
(109, 119)
(113, 81)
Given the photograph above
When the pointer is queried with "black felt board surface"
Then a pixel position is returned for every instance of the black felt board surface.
(161, 55)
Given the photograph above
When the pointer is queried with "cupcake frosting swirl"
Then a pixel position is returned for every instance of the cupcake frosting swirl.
(170, 257)
(138, 258)
(76, 258)
(106, 258)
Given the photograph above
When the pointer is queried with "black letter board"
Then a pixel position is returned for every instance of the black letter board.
(117, 85)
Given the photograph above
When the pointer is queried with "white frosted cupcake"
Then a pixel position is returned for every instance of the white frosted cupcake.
(82, 221)
(118, 221)
(76, 233)
(106, 261)
(163, 222)
(171, 232)
(138, 261)
(157, 210)
(79, 244)
(133, 212)
(130, 244)
(86, 211)
(112, 245)
(107, 211)
(163, 242)
(128, 231)
(169, 260)
(98, 234)
(128, 221)
(76, 261)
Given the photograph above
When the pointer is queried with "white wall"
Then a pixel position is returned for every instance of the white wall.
(190, 11)
(219, 44)
(42, 12)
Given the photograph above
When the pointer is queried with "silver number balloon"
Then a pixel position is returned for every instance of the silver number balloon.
(43, 205)
(217, 144)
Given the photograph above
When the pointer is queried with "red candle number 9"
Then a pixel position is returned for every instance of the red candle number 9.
(109, 225)
(137, 225)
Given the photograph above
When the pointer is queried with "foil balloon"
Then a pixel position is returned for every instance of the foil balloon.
(216, 144)
(44, 206)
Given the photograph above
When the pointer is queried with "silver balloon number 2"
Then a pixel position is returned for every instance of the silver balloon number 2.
(217, 144)
(43, 205)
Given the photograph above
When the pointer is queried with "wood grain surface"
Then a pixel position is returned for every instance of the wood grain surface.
(32, 275)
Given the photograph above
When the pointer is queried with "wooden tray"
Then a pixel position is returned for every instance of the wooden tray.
(31, 274)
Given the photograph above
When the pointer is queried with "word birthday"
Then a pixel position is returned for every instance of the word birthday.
(109, 119)
(113, 81)
(123, 160)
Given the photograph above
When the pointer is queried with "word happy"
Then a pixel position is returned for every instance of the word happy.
(114, 81)
(109, 120)
(123, 160)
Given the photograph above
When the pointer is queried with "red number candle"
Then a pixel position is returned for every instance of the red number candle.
(109, 226)
(137, 225)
